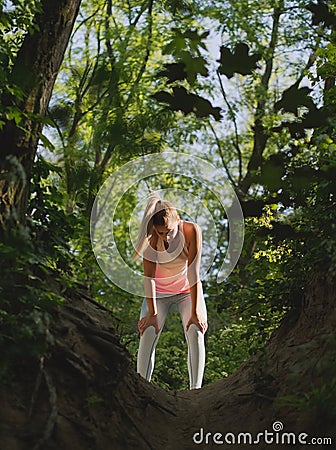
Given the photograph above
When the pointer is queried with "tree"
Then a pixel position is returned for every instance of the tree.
(87, 394)
(83, 377)
(264, 145)
(122, 120)
(32, 77)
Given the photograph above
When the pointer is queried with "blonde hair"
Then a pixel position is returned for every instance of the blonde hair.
(157, 212)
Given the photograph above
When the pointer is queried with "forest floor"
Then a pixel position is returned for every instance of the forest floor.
(87, 395)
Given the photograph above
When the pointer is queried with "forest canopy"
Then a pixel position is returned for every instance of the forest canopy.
(88, 86)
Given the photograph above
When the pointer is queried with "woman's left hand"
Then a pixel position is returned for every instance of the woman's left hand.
(201, 323)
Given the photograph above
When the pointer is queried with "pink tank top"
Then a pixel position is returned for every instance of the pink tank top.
(172, 265)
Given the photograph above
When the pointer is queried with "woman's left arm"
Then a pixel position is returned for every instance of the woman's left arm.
(194, 263)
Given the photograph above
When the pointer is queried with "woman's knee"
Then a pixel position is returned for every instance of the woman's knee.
(194, 332)
(149, 333)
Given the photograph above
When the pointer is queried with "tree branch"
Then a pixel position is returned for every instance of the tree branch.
(236, 140)
(220, 150)
(148, 50)
(260, 137)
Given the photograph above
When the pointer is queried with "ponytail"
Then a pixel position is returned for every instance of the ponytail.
(146, 227)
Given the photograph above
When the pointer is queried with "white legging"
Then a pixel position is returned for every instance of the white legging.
(194, 337)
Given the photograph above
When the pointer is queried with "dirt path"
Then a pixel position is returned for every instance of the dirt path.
(88, 396)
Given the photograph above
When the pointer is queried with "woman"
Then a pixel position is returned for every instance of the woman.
(171, 250)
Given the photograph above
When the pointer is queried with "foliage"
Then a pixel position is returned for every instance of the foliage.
(25, 311)
(36, 268)
(16, 20)
(271, 132)
(318, 402)
(276, 260)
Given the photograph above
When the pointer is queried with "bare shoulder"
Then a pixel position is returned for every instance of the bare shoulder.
(190, 229)
(193, 237)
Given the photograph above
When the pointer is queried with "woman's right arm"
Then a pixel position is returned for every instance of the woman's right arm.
(149, 272)
(151, 318)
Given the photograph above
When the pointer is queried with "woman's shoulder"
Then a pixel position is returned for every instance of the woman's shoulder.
(190, 228)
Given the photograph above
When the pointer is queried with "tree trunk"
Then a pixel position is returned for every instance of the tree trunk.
(87, 395)
(35, 70)
(260, 137)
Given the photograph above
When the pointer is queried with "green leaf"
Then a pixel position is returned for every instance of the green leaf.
(315, 118)
(321, 14)
(13, 113)
(181, 100)
(174, 72)
(194, 66)
(294, 97)
(252, 208)
(101, 74)
(272, 172)
(237, 62)
(187, 69)
(62, 113)
(50, 167)
(189, 39)
(175, 46)
(45, 141)
(302, 178)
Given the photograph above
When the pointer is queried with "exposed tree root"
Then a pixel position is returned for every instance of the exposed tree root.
(103, 404)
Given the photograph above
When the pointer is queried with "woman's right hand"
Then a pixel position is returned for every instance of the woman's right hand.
(148, 321)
